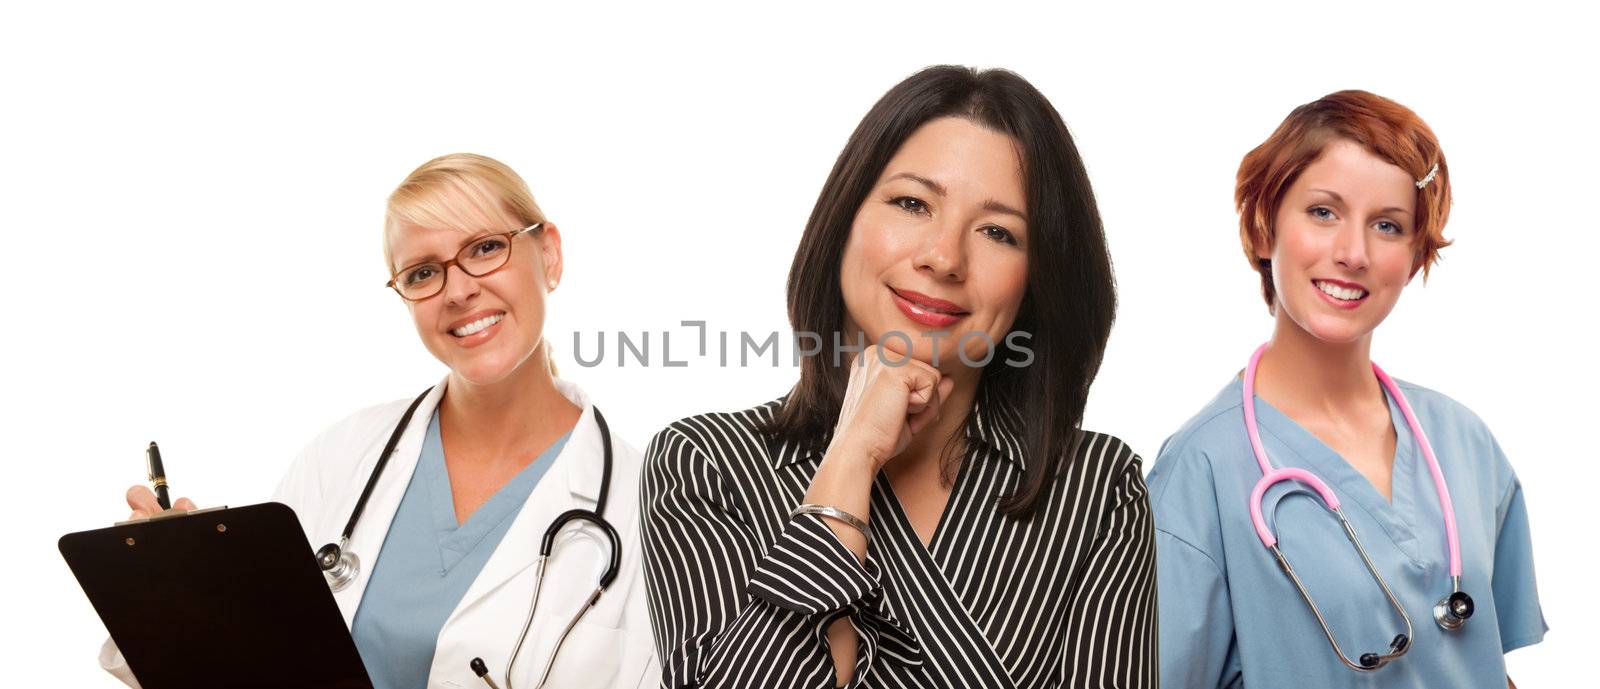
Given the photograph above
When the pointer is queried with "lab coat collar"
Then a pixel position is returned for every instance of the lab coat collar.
(576, 471)
(373, 527)
(584, 454)
(572, 481)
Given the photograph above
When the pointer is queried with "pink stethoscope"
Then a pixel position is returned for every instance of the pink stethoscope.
(1450, 612)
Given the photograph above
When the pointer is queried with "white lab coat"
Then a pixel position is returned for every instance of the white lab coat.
(611, 647)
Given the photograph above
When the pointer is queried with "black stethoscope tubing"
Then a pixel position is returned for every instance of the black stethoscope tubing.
(341, 566)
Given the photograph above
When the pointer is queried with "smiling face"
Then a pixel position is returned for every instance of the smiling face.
(482, 328)
(940, 245)
(1344, 243)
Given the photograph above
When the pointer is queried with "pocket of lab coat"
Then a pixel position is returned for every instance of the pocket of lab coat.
(592, 658)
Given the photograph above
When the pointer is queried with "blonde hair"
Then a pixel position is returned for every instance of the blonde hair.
(462, 191)
(459, 191)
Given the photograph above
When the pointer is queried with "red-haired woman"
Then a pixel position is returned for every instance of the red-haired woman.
(1318, 523)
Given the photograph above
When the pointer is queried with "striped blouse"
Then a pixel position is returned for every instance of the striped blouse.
(741, 595)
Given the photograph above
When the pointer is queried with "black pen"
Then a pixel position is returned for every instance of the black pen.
(158, 474)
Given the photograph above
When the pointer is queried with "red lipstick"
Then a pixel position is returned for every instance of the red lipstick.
(925, 310)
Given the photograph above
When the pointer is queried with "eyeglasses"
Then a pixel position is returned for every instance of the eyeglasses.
(480, 257)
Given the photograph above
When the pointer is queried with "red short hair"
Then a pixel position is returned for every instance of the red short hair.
(1388, 129)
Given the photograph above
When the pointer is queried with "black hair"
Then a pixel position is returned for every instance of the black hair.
(1070, 298)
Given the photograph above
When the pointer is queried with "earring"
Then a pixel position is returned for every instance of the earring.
(552, 284)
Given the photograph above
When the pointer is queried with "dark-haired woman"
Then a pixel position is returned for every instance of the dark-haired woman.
(923, 511)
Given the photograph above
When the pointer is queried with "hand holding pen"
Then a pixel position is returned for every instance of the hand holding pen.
(142, 500)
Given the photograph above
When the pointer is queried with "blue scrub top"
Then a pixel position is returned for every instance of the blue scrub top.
(428, 562)
(1230, 617)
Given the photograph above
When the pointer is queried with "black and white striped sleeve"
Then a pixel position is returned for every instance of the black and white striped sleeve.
(1112, 636)
(729, 611)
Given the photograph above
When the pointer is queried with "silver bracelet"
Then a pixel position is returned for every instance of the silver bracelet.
(833, 512)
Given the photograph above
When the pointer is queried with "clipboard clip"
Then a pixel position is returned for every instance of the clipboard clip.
(171, 514)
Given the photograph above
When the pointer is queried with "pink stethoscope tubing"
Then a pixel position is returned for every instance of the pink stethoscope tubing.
(1440, 488)
(1449, 612)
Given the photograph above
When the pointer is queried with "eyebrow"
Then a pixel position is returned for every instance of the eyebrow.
(990, 205)
(431, 257)
(936, 187)
(1340, 199)
(994, 206)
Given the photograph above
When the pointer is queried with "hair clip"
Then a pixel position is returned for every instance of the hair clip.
(1429, 178)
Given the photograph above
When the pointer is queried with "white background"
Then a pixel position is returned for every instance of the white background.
(192, 201)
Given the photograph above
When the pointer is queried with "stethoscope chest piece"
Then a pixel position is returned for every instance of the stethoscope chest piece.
(339, 566)
(1453, 610)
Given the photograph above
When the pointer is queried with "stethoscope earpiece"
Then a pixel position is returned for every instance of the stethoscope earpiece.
(1453, 610)
(482, 671)
(1397, 647)
(1401, 643)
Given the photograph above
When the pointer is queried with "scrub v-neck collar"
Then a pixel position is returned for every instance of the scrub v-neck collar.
(457, 539)
(1396, 516)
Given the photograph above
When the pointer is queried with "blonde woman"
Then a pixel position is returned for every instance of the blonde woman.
(435, 570)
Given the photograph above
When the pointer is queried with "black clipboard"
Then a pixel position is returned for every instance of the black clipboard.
(217, 598)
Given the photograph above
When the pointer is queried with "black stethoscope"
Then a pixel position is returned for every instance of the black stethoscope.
(340, 566)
